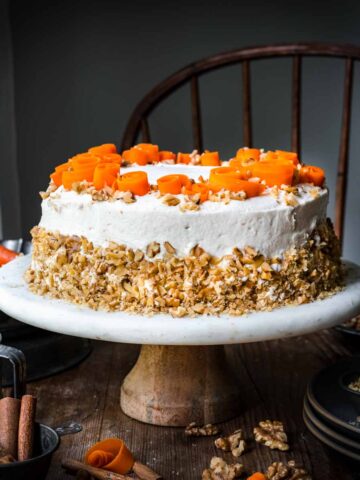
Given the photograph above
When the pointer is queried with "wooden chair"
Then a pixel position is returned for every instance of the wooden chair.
(138, 122)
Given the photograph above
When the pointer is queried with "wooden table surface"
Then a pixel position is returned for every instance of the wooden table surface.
(273, 374)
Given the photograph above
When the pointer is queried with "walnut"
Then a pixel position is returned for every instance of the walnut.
(271, 434)
(193, 430)
(170, 200)
(126, 197)
(139, 256)
(153, 249)
(290, 200)
(234, 443)
(220, 470)
(281, 471)
(189, 206)
(169, 248)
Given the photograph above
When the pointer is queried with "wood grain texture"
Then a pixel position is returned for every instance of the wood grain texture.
(165, 88)
(273, 377)
(341, 183)
(296, 106)
(196, 114)
(164, 388)
(247, 125)
(145, 131)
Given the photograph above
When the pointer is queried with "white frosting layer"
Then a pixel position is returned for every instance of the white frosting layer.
(261, 222)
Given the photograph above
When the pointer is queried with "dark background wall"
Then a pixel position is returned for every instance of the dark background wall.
(79, 68)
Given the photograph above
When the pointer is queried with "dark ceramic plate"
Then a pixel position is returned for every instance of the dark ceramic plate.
(348, 331)
(330, 442)
(333, 401)
(328, 431)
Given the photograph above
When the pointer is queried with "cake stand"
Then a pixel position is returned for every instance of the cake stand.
(182, 373)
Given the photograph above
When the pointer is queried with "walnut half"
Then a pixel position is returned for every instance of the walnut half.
(193, 430)
(281, 471)
(234, 443)
(220, 470)
(271, 433)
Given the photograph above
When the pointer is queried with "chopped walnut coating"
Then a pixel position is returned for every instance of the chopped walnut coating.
(169, 248)
(153, 249)
(119, 278)
(281, 471)
(220, 470)
(234, 443)
(170, 200)
(193, 430)
(271, 434)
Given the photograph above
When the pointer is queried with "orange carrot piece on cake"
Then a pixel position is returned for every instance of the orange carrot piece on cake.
(134, 182)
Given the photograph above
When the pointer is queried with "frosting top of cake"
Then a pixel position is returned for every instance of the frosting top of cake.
(260, 222)
(278, 217)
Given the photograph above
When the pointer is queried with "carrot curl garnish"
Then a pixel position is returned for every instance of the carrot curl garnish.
(228, 178)
(103, 149)
(6, 255)
(183, 158)
(311, 174)
(166, 155)
(248, 154)
(210, 159)
(134, 182)
(173, 184)
(257, 476)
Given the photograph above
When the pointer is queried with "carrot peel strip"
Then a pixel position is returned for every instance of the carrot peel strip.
(173, 184)
(274, 172)
(105, 174)
(245, 154)
(103, 149)
(257, 476)
(122, 459)
(311, 174)
(210, 159)
(183, 158)
(166, 155)
(134, 182)
(135, 155)
(229, 179)
(6, 255)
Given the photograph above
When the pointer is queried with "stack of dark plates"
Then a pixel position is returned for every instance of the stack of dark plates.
(351, 331)
(332, 407)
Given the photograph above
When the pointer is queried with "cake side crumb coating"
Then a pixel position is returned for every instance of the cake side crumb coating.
(117, 278)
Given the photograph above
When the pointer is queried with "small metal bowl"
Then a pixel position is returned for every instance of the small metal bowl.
(46, 442)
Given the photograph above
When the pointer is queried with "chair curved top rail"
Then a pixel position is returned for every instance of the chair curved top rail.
(174, 81)
(190, 73)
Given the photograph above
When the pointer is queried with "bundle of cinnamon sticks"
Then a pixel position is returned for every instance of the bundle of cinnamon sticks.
(17, 422)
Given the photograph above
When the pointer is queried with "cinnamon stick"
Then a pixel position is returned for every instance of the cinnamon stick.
(83, 475)
(98, 473)
(26, 427)
(9, 425)
(144, 472)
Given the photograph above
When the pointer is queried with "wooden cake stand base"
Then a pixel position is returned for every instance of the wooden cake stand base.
(182, 375)
(173, 385)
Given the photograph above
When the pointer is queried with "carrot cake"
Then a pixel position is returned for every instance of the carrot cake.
(150, 231)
